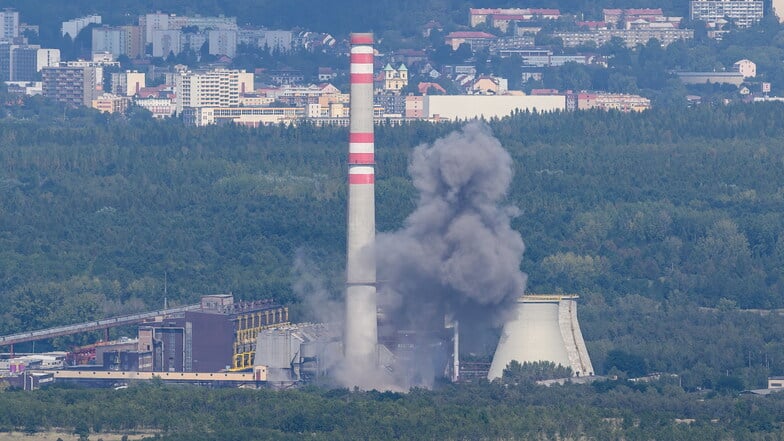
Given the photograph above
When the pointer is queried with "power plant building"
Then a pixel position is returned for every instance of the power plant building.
(221, 335)
(298, 352)
(545, 328)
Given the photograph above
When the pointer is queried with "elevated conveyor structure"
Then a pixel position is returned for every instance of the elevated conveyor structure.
(112, 322)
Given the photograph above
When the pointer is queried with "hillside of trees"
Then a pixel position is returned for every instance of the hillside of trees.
(649, 217)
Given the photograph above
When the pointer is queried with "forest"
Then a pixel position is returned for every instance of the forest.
(507, 409)
(668, 224)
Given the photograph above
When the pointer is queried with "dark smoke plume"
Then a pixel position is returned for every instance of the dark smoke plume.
(457, 254)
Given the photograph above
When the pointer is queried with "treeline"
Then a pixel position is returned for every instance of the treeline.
(607, 410)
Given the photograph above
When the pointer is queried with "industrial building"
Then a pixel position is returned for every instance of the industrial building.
(300, 352)
(221, 335)
(545, 328)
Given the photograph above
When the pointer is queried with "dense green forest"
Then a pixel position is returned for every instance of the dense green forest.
(647, 216)
(608, 410)
(667, 223)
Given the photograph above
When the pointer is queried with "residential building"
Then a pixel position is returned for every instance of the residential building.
(71, 28)
(415, 106)
(244, 116)
(47, 57)
(518, 42)
(393, 104)
(742, 13)
(276, 40)
(166, 42)
(734, 78)
(222, 42)
(746, 67)
(477, 40)
(110, 103)
(24, 63)
(9, 24)
(159, 107)
(617, 16)
(612, 101)
(214, 88)
(489, 85)
(128, 83)
(152, 23)
(477, 16)
(29, 88)
(632, 37)
(426, 88)
(73, 85)
(109, 39)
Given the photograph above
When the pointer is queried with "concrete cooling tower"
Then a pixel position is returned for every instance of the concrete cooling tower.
(545, 328)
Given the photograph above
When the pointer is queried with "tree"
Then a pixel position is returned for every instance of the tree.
(631, 364)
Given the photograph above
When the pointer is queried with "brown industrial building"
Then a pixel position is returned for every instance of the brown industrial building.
(219, 335)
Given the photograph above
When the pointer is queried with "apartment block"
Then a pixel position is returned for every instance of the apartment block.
(23, 62)
(632, 37)
(214, 88)
(127, 83)
(9, 24)
(222, 42)
(72, 28)
(73, 85)
(743, 13)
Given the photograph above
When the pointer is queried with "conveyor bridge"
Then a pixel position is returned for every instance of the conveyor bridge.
(112, 322)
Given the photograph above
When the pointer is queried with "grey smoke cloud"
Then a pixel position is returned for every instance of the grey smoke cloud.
(457, 252)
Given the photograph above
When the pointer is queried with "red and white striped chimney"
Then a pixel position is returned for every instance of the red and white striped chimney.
(361, 331)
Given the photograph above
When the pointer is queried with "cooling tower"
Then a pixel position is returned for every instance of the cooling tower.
(545, 328)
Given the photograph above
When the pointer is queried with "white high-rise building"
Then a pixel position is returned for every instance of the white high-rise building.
(48, 58)
(276, 40)
(72, 28)
(743, 13)
(153, 22)
(166, 42)
(9, 24)
(108, 39)
(223, 42)
(214, 88)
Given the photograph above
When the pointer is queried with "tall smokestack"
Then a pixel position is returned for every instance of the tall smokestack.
(361, 332)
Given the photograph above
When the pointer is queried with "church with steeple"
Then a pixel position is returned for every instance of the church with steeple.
(395, 79)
